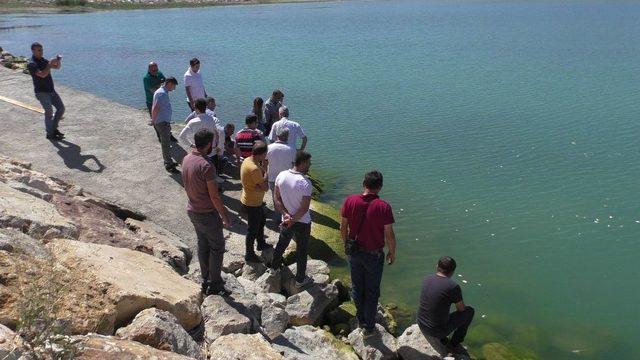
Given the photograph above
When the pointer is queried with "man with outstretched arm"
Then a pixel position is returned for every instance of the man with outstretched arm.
(439, 292)
(40, 71)
(206, 211)
(367, 224)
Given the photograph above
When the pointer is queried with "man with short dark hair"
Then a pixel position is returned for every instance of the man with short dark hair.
(368, 220)
(40, 71)
(193, 84)
(272, 108)
(254, 185)
(248, 136)
(161, 120)
(206, 211)
(438, 293)
(202, 120)
(293, 198)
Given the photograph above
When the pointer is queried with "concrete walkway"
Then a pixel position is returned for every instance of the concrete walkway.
(109, 150)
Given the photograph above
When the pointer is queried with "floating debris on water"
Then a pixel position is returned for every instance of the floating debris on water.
(459, 275)
(479, 284)
(573, 143)
(484, 316)
(493, 234)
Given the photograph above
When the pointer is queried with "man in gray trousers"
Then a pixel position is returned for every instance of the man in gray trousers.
(161, 120)
(206, 211)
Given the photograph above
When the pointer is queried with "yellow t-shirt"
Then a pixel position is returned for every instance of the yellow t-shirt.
(250, 176)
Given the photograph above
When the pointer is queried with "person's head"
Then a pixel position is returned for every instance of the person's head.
(259, 150)
(251, 121)
(170, 83)
(373, 181)
(446, 266)
(200, 105)
(283, 134)
(277, 95)
(229, 129)
(283, 111)
(153, 68)
(303, 162)
(194, 64)
(36, 50)
(211, 103)
(258, 103)
(203, 139)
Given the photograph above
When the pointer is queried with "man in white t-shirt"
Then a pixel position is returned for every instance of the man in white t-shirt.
(295, 130)
(293, 199)
(280, 157)
(193, 84)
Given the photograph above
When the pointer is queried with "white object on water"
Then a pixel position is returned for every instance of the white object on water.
(401, 209)
(459, 275)
(610, 217)
(479, 284)
(484, 316)
(464, 281)
(493, 234)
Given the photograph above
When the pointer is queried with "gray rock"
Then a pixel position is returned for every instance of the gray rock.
(14, 241)
(380, 346)
(275, 299)
(242, 347)
(318, 270)
(220, 318)
(247, 304)
(274, 320)
(413, 345)
(383, 317)
(166, 245)
(308, 306)
(311, 343)
(269, 282)
(11, 344)
(160, 329)
(252, 271)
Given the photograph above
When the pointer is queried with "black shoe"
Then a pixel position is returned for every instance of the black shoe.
(455, 349)
(444, 341)
(173, 139)
(204, 287)
(252, 258)
(220, 292)
(264, 246)
(367, 333)
(57, 132)
(54, 137)
(172, 169)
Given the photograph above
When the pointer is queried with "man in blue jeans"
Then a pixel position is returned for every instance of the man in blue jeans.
(439, 292)
(40, 70)
(368, 220)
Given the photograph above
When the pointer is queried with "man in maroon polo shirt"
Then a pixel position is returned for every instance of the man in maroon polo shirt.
(369, 221)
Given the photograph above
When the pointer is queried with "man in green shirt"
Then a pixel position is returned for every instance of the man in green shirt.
(152, 81)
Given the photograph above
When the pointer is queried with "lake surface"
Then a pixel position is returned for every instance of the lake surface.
(507, 132)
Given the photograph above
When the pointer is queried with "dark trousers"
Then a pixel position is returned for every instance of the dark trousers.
(255, 220)
(50, 100)
(366, 275)
(208, 228)
(163, 130)
(301, 232)
(458, 323)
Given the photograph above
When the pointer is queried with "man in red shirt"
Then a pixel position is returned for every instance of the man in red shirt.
(206, 211)
(369, 221)
(246, 137)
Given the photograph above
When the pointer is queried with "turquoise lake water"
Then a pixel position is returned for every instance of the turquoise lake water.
(507, 132)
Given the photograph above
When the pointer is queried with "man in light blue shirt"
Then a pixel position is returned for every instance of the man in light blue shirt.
(161, 120)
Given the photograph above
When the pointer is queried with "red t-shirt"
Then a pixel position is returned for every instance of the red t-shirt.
(371, 233)
(196, 171)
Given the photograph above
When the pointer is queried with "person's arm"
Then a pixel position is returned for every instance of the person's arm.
(304, 143)
(44, 72)
(344, 229)
(186, 135)
(56, 63)
(278, 204)
(214, 195)
(263, 180)
(390, 239)
(147, 85)
(154, 111)
(187, 89)
(460, 306)
(191, 116)
(304, 208)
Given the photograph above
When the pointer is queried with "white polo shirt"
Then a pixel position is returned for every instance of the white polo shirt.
(194, 80)
(295, 131)
(281, 157)
(293, 187)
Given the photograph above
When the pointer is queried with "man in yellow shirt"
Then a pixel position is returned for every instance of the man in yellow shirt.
(254, 178)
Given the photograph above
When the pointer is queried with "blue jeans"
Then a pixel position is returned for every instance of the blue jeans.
(50, 100)
(366, 275)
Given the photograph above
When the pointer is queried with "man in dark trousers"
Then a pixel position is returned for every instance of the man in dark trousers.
(438, 293)
(40, 70)
(368, 221)
(206, 211)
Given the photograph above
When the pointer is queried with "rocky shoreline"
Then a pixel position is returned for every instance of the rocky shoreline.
(84, 278)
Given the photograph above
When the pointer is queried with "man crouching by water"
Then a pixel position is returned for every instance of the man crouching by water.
(367, 223)
(206, 211)
(434, 319)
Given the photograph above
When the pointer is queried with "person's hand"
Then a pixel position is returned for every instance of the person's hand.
(391, 258)
(54, 61)
(150, 123)
(226, 222)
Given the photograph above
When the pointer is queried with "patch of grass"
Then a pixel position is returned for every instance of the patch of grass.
(71, 2)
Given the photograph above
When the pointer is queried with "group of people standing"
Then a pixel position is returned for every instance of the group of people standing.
(267, 152)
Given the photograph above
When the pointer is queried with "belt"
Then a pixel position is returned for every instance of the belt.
(373, 252)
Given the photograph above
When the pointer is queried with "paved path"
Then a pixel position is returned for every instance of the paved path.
(109, 150)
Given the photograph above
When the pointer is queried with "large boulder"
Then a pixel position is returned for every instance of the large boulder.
(220, 319)
(311, 343)
(383, 317)
(136, 280)
(414, 345)
(274, 317)
(32, 215)
(14, 241)
(242, 347)
(99, 347)
(318, 270)
(269, 282)
(160, 329)
(14, 173)
(379, 346)
(309, 306)
(11, 344)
